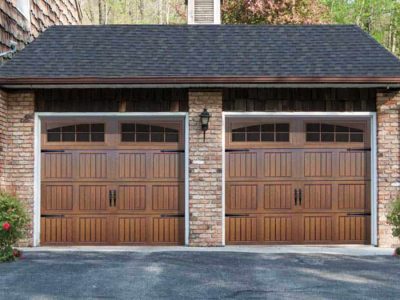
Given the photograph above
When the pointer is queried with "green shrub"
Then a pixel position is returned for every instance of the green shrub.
(394, 217)
(13, 225)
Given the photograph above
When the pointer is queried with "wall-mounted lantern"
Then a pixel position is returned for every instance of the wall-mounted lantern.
(204, 120)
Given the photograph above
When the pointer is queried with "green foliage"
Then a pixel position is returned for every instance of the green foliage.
(380, 18)
(13, 224)
(394, 217)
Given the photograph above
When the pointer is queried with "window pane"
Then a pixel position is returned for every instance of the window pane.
(255, 128)
(267, 127)
(327, 137)
(253, 137)
(327, 128)
(128, 127)
(342, 129)
(342, 137)
(157, 137)
(97, 127)
(58, 129)
(267, 137)
(142, 137)
(97, 137)
(312, 137)
(171, 130)
(356, 137)
(54, 137)
(172, 137)
(128, 137)
(284, 127)
(68, 128)
(82, 137)
(157, 129)
(83, 128)
(142, 128)
(313, 127)
(242, 129)
(356, 130)
(282, 137)
(238, 137)
(68, 137)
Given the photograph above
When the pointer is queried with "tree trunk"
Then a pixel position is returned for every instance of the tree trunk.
(141, 10)
(168, 11)
(159, 10)
(102, 12)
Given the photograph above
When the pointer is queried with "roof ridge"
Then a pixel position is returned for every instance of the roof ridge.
(204, 25)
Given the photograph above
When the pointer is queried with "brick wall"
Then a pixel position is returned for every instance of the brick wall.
(388, 108)
(205, 170)
(17, 155)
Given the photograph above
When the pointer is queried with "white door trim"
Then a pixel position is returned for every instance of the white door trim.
(36, 181)
(147, 115)
(371, 116)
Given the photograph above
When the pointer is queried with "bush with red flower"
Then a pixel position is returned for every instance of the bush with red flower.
(394, 219)
(13, 222)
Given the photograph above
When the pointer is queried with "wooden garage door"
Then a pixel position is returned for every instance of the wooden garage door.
(297, 181)
(112, 182)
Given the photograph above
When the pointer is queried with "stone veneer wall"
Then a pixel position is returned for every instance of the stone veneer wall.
(388, 109)
(3, 132)
(17, 149)
(205, 170)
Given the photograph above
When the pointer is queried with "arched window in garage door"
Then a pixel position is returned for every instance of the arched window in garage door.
(324, 132)
(265, 132)
(138, 132)
(92, 132)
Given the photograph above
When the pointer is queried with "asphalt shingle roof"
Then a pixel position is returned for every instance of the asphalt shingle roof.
(126, 51)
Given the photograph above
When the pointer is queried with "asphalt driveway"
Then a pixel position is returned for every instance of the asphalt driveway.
(199, 275)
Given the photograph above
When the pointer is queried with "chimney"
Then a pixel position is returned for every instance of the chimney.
(204, 12)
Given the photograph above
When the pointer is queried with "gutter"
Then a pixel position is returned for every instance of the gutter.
(200, 81)
(197, 79)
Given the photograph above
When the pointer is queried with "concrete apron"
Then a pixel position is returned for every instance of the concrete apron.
(349, 250)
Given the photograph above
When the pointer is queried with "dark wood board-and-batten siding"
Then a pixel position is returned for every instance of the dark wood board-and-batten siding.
(250, 99)
(296, 99)
(111, 100)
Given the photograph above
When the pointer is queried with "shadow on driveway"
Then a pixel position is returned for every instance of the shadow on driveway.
(199, 275)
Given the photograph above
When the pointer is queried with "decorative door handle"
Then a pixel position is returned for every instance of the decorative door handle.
(300, 196)
(115, 197)
(295, 197)
(110, 197)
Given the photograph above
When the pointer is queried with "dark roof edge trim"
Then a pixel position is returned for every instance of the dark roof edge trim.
(199, 80)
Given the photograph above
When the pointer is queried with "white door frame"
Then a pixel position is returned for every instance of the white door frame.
(134, 115)
(370, 116)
